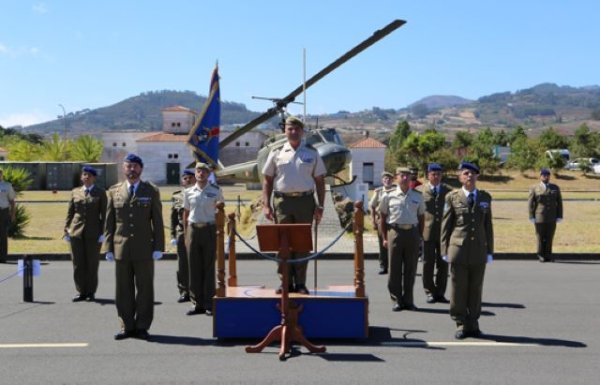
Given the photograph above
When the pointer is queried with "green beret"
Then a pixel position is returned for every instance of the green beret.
(294, 121)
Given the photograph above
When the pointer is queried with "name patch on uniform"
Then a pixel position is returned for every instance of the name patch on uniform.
(144, 199)
(211, 195)
(484, 205)
(306, 159)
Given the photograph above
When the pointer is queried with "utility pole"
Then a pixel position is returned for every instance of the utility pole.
(64, 119)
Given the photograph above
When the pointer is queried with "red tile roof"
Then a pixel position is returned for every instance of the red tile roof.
(367, 143)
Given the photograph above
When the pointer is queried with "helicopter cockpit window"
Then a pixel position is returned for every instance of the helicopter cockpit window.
(331, 135)
(312, 138)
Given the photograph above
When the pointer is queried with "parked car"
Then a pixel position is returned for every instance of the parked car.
(576, 164)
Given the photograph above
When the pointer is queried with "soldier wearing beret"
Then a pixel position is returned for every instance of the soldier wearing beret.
(467, 243)
(134, 239)
(293, 174)
(83, 230)
(177, 238)
(387, 179)
(401, 223)
(199, 211)
(7, 214)
(545, 211)
(434, 195)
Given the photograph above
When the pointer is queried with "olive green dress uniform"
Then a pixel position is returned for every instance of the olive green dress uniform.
(201, 242)
(467, 238)
(403, 212)
(378, 193)
(84, 226)
(7, 194)
(545, 207)
(434, 198)
(183, 274)
(134, 229)
(293, 173)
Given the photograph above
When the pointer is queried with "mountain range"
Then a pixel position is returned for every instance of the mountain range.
(535, 108)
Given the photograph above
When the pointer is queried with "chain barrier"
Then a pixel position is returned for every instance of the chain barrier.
(12, 275)
(271, 257)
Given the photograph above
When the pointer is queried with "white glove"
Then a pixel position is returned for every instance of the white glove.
(558, 220)
(156, 255)
(445, 258)
(489, 258)
(66, 238)
(174, 242)
(532, 220)
(101, 238)
(110, 257)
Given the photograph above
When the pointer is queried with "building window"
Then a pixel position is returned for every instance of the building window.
(178, 124)
(247, 144)
(124, 144)
(237, 144)
(175, 156)
(172, 124)
(170, 156)
(114, 144)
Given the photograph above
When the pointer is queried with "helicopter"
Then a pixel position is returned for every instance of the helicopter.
(326, 141)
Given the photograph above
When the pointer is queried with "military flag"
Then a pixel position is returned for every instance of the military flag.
(204, 135)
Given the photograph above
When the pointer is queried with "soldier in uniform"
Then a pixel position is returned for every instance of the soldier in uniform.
(134, 239)
(83, 230)
(199, 209)
(467, 243)
(545, 211)
(293, 173)
(177, 238)
(434, 193)
(7, 214)
(387, 179)
(401, 223)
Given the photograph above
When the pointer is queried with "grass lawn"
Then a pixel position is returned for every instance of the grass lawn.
(513, 232)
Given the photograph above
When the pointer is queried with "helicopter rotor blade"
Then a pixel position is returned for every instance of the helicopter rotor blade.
(282, 103)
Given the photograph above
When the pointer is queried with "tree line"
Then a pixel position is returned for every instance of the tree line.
(417, 149)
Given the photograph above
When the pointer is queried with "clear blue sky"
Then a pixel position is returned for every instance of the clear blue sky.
(91, 54)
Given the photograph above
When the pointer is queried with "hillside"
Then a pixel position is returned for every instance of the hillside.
(545, 105)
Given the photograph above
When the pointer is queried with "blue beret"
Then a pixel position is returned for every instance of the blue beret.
(89, 170)
(468, 166)
(188, 171)
(544, 171)
(434, 167)
(132, 158)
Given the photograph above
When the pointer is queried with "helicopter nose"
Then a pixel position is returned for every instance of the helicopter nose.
(335, 157)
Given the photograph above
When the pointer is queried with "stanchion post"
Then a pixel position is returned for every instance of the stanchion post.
(232, 280)
(27, 279)
(220, 221)
(359, 260)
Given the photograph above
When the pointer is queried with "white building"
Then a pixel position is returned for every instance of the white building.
(166, 153)
(368, 161)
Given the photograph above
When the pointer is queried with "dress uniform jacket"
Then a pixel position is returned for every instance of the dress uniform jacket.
(545, 203)
(134, 226)
(434, 209)
(84, 225)
(467, 236)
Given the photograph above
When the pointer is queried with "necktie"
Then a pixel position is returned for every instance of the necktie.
(131, 191)
(434, 192)
(471, 199)
(87, 191)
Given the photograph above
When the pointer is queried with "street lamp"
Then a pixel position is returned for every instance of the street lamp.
(64, 118)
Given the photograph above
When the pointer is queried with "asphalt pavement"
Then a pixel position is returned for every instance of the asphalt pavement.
(540, 323)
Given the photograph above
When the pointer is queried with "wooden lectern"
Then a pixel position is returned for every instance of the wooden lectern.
(286, 239)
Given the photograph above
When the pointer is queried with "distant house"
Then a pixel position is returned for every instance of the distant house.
(368, 161)
(166, 153)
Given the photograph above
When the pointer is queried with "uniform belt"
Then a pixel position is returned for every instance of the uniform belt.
(279, 194)
(200, 225)
(397, 227)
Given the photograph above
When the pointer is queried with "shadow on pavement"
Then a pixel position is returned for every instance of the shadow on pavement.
(506, 305)
(180, 340)
(532, 340)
